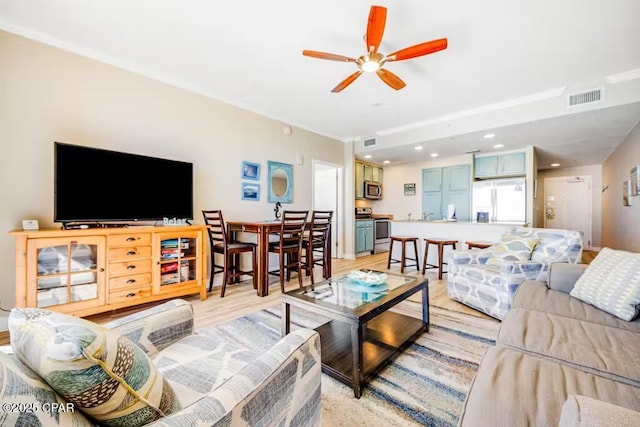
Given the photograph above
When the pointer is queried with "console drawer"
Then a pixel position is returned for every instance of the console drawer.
(132, 281)
(129, 267)
(129, 295)
(133, 239)
(131, 252)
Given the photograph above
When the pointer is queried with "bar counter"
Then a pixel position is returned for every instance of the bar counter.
(462, 231)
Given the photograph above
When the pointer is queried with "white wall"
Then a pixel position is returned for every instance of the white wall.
(48, 95)
(595, 172)
(325, 189)
(621, 225)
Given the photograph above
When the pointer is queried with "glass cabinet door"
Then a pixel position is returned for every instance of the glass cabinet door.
(67, 271)
(178, 263)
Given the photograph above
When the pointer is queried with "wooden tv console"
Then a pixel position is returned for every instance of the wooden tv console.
(89, 271)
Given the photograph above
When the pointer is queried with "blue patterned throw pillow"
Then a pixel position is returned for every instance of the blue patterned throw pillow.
(612, 283)
(104, 375)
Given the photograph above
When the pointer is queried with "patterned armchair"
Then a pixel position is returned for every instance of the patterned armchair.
(217, 383)
(491, 288)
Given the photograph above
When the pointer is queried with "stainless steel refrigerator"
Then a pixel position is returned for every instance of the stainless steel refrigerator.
(501, 200)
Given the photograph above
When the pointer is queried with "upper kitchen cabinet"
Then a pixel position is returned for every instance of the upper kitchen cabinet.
(366, 172)
(512, 164)
(359, 174)
(372, 173)
(444, 186)
(432, 180)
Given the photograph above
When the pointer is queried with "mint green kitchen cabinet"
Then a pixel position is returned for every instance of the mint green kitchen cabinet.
(444, 186)
(512, 164)
(364, 236)
(485, 166)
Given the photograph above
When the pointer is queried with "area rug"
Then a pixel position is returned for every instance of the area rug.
(425, 385)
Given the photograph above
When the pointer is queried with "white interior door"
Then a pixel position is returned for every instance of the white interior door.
(327, 184)
(568, 205)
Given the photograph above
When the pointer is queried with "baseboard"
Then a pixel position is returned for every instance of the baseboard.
(350, 257)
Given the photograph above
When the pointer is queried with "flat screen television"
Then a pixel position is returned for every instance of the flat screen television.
(94, 185)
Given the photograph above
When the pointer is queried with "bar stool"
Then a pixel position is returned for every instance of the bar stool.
(479, 245)
(440, 243)
(404, 257)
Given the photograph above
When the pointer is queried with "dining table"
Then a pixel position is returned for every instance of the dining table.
(263, 230)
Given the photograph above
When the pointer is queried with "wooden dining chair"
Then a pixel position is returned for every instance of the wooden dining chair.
(316, 243)
(289, 245)
(230, 251)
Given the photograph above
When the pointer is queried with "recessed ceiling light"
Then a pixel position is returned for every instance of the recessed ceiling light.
(489, 135)
(368, 156)
(555, 165)
(418, 147)
(498, 146)
(386, 162)
(434, 154)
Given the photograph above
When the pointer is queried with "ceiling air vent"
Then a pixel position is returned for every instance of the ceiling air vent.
(585, 97)
(369, 142)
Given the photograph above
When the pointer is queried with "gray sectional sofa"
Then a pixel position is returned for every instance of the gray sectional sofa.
(558, 361)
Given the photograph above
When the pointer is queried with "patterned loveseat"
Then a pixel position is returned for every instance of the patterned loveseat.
(211, 382)
(491, 288)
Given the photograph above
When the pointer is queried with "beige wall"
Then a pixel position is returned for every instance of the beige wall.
(621, 225)
(49, 95)
(595, 172)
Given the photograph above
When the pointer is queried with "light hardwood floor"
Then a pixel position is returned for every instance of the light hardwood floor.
(241, 299)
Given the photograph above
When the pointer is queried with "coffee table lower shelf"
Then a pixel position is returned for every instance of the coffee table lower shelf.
(384, 337)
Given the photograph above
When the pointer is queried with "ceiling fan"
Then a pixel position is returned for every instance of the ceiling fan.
(373, 61)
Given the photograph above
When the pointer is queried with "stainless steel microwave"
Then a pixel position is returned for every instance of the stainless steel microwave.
(372, 190)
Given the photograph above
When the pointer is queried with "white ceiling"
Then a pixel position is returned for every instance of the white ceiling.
(509, 66)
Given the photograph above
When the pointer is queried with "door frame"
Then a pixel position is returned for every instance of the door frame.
(587, 242)
(339, 211)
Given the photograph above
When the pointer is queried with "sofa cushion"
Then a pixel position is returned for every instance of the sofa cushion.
(513, 248)
(537, 296)
(105, 375)
(32, 402)
(602, 350)
(200, 363)
(514, 389)
(612, 283)
(581, 411)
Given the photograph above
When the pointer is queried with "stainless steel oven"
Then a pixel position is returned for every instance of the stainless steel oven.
(381, 235)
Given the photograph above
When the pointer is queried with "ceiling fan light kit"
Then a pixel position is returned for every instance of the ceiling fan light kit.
(373, 61)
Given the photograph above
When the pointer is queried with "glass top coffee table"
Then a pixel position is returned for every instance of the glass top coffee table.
(363, 335)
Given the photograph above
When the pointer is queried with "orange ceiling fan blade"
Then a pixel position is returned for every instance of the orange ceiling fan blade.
(329, 56)
(418, 50)
(391, 79)
(375, 27)
(346, 82)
